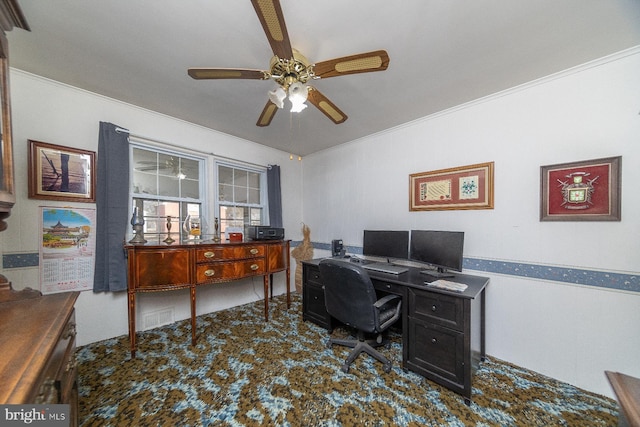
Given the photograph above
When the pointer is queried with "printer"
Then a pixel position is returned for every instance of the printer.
(264, 232)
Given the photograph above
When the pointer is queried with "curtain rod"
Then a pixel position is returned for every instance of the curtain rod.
(157, 141)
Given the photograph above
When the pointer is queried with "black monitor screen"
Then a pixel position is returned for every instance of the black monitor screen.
(388, 244)
(442, 249)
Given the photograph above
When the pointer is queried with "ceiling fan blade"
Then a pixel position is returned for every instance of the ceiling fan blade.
(327, 107)
(227, 73)
(272, 20)
(361, 63)
(267, 114)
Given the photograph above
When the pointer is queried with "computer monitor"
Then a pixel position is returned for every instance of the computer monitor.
(441, 249)
(386, 243)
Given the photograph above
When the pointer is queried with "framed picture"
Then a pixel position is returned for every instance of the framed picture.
(581, 191)
(465, 187)
(61, 173)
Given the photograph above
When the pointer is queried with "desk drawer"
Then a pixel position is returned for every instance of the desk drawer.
(226, 252)
(312, 274)
(228, 270)
(391, 288)
(436, 350)
(441, 309)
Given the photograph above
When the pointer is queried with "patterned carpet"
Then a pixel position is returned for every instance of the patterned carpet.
(247, 372)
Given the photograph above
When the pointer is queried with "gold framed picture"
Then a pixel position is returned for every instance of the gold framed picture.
(464, 187)
(61, 173)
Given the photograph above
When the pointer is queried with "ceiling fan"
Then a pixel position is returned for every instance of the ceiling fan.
(291, 70)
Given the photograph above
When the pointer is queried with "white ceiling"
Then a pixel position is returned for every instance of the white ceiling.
(442, 53)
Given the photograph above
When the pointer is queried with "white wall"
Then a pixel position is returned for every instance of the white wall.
(51, 112)
(569, 332)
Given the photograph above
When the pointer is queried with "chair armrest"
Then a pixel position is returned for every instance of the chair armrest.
(384, 300)
(396, 311)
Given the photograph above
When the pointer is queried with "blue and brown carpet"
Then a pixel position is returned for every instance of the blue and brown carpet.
(248, 372)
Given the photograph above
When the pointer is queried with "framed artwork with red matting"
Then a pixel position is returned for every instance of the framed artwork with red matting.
(465, 187)
(581, 191)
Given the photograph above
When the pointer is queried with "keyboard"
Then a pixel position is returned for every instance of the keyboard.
(447, 285)
(384, 267)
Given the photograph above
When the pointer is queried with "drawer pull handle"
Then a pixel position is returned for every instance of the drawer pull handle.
(254, 267)
(70, 331)
(434, 308)
(254, 251)
(209, 254)
(210, 273)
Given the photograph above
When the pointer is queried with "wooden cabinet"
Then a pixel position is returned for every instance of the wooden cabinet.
(38, 351)
(161, 267)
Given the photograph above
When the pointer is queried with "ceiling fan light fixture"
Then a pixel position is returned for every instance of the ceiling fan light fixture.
(277, 97)
(298, 96)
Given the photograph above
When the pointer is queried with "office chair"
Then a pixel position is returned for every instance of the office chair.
(351, 298)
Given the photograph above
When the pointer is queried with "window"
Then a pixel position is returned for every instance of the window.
(168, 183)
(166, 186)
(241, 197)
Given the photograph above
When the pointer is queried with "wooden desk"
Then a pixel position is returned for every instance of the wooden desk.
(443, 332)
(162, 267)
(37, 361)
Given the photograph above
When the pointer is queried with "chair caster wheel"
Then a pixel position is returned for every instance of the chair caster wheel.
(345, 368)
(387, 368)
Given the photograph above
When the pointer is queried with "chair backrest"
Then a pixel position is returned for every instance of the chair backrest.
(349, 294)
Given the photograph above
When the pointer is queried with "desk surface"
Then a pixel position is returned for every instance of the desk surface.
(415, 279)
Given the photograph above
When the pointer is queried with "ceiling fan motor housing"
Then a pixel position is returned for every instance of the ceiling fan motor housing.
(288, 71)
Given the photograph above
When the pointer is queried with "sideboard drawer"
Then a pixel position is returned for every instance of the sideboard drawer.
(226, 252)
(228, 270)
(437, 308)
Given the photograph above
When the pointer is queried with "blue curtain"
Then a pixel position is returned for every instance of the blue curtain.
(275, 196)
(112, 202)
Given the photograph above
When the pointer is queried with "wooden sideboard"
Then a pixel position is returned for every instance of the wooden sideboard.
(164, 267)
(37, 361)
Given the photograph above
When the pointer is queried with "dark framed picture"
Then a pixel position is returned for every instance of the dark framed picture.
(581, 191)
(465, 187)
(61, 173)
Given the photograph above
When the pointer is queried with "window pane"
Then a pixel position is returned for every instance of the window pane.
(256, 216)
(254, 196)
(190, 169)
(169, 186)
(167, 165)
(225, 175)
(225, 193)
(240, 194)
(240, 177)
(254, 180)
(190, 188)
